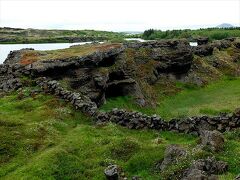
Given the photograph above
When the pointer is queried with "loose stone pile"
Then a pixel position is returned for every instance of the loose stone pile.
(205, 169)
(192, 125)
(78, 100)
(9, 77)
(137, 120)
(10, 84)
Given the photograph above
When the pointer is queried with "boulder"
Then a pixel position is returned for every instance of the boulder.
(210, 165)
(195, 174)
(202, 40)
(171, 156)
(112, 172)
(203, 50)
(212, 139)
(205, 169)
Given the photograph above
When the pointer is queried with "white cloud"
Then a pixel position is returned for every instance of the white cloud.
(118, 15)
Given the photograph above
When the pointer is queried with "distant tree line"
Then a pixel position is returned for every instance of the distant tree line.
(212, 33)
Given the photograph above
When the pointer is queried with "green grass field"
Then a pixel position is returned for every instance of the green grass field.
(45, 138)
(42, 138)
(221, 96)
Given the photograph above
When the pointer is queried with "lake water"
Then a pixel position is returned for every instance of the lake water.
(193, 43)
(142, 40)
(136, 39)
(6, 48)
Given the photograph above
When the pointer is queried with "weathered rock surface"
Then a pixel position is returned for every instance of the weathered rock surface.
(113, 71)
(117, 71)
(111, 172)
(206, 49)
(172, 154)
(192, 125)
(175, 55)
(9, 84)
(78, 100)
(196, 174)
(212, 139)
(96, 59)
(202, 40)
(9, 79)
(205, 169)
(14, 56)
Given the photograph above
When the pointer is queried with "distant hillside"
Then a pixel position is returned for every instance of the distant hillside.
(17, 35)
(225, 25)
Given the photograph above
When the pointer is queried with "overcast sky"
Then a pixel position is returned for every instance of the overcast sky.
(115, 15)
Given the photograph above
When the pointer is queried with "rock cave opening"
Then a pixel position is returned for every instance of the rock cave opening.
(114, 90)
(120, 89)
(108, 61)
(116, 75)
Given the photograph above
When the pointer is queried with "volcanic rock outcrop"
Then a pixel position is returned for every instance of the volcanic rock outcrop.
(206, 49)
(100, 71)
(107, 70)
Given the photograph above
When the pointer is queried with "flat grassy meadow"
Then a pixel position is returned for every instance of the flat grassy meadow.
(220, 96)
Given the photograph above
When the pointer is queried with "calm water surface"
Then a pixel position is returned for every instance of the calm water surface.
(6, 48)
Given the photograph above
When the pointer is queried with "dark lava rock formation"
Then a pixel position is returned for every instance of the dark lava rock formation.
(113, 71)
(102, 71)
(206, 49)
(205, 169)
(87, 79)
(172, 155)
(192, 125)
(214, 140)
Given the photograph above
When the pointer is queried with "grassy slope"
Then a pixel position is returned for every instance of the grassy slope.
(43, 138)
(223, 95)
